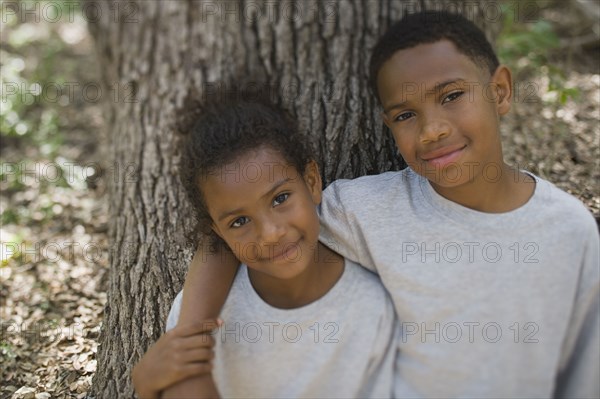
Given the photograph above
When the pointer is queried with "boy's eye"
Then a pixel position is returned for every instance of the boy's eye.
(239, 222)
(404, 116)
(452, 96)
(281, 198)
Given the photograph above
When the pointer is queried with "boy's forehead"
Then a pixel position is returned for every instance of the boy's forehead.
(425, 66)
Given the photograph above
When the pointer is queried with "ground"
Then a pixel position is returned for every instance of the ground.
(54, 180)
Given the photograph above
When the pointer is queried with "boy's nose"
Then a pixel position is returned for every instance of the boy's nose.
(434, 130)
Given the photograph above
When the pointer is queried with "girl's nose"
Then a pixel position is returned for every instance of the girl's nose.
(271, 231)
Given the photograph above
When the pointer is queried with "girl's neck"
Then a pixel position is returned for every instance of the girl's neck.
(314, 282)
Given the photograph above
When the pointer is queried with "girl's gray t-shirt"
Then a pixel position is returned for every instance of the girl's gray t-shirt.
(343, 345)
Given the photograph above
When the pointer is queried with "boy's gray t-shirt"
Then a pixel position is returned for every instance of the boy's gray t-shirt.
(490, 305)
(341, 346)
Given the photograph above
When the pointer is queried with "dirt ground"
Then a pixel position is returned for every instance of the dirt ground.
(55, 252)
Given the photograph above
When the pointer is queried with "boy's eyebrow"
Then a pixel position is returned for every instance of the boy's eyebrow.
(273, 188)
(437, 88)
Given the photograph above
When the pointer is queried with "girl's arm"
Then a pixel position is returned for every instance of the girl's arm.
(206, 287)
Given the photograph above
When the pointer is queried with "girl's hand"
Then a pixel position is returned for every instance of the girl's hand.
(181, 353)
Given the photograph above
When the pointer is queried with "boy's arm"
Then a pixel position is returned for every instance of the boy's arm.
(339, 229)
(580, 363)
(206, 287)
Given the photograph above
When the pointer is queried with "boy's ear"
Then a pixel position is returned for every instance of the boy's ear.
(502, 79)
(312, 178)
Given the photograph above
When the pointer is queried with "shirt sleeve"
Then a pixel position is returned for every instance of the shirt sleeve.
(339, 230)
(580, 361)
(174, 312)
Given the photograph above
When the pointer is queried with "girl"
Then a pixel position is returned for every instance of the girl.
(300, 320)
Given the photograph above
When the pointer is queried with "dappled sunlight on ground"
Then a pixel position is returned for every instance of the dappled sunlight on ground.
(54, 205)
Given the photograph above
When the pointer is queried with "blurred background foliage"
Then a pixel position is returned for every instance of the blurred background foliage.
(54, 252)
(526, 44)
(53, 180)
(38, 94)
(36, 87)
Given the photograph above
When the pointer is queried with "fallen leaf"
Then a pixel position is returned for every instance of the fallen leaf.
(24, 393)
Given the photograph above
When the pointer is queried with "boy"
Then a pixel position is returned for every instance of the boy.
(493, 271)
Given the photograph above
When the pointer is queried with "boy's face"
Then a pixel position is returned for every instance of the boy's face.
(443, 111)
(266, 212)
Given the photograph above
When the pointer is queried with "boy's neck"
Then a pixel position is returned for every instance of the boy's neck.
(511, 191)
(316, 281)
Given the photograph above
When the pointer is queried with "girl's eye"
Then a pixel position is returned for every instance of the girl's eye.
(404, 116)
(281, 198)
(239, 222)
(453, 96)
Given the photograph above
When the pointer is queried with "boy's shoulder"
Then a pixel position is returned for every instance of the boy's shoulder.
(556, 205)
(395, 181)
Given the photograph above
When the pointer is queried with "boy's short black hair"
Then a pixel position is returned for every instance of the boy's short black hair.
(227, 124)
(429, 27)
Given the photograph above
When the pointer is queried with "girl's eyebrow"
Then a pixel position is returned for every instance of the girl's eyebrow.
(273, 188)
(391, 107)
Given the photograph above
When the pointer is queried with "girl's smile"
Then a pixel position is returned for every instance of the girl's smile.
(269, 220)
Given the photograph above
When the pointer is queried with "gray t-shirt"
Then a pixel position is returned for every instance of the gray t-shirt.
(341, 346)
(490, 305)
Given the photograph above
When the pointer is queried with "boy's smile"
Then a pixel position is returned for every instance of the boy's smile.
(443, 111)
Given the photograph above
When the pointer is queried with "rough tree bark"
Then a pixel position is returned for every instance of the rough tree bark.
(155, 56)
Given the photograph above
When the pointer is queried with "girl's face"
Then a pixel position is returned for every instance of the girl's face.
(266, 211)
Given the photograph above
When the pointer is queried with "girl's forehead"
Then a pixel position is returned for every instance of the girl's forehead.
(247, 178)
(263, 154)
(243, 164)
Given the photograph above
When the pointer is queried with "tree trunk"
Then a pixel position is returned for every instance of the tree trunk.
(155, 57)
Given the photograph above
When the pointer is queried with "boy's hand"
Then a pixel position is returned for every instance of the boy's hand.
(183, 352)
(207, 284)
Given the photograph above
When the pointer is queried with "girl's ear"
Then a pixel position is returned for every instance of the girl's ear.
(312, 178)
(502, 79)
(215, 228)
